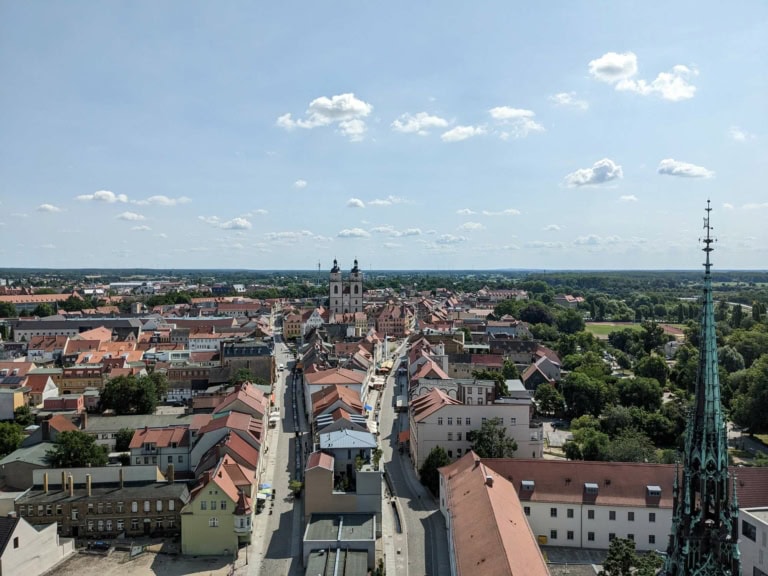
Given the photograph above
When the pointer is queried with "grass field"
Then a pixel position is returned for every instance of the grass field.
(602, 329)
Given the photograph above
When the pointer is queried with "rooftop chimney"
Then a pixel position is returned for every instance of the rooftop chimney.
(122, 478)
(63, 480)
(489, 481)
(45, 482)
(171, 474)
(71, 486)
(88, 484)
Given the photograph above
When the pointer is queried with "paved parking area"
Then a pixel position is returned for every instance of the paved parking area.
(119, 564)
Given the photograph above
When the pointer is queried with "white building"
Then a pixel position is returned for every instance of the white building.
(26, 550)
(437, 419)
(753, 541)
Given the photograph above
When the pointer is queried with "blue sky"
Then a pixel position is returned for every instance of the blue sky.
(434, 135)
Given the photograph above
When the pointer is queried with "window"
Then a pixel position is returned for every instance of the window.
(651, 516)
(159, 506)
(147, 506)
(450, 421)
(591, 536)
(101, 525)
(569, 513)
(120, 525)
(553, 534)
(450, 453)
(213, 522)
(527, 510)
(612, 515)
(569, 535)
(631, 537)
(469, 422)
(213, 504)
(90, 525)
(480, 401)
(591, 514)
(458, 452)
(74, 513)
(58, 509)
(180, 459)
(748, 530)
(440, 421)
(119, 507)
(159, 523)
(203, 505)
(501, 421)
(651, 539)
(483, 420)
(138, 460)
(458, 435)
(171, 505)
(631, 516)
(611, 537)
(450, 436)
(48, 510)
(40, 509)
(458, 421)
(512, 421)
(109, 507)
(90, 508)
(100, 508)
(553, 512)
(134, 506)
(134, 523)
(223, 505)
(469, 389)
(170, 459)
(171, 522)
(16, 542)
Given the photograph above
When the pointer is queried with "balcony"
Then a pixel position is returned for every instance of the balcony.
(242, 524)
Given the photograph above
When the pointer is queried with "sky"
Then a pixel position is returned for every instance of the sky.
(409, 135)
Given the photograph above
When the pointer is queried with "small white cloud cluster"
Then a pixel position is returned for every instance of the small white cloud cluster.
(131, 216)
(344, 110)
(238, 223)
(515, 122)
(672, 167)
(353, 233)
(420, 123)
(601, 171)
(106, 196)
(161, 200)
(620, 70)
(568, 100)
(460, 133)
(48, 208)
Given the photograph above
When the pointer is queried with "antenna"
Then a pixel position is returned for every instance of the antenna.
(708, 240)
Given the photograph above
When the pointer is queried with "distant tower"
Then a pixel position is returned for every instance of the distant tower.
(336, 289)
(346, 296)
(704, 538)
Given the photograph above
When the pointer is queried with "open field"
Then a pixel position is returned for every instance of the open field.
(603, 329)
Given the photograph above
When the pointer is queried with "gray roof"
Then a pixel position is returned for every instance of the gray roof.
(31, 455)
(341, 527)
(77, 323)
(323, 563)
(109, 491)
(347, 439)
(109, 423)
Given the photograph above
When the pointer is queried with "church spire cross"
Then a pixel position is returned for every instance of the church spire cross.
(704, 537)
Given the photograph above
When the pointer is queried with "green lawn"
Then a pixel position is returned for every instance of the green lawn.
(604, 329)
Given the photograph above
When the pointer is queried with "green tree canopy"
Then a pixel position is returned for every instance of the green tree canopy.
(751, 344)
(491, 440)
(653, 366)
(570, 321)
(584, 395)
(428, 474)
(549, 400)
(123, 439)
(7, 310)
(23, 416)
(641, 392)
(43, 310)
(500, 386)
(129, 394)
(623, 560)
(76, 449)
(11, 436)
(750, 402)
(630, 446)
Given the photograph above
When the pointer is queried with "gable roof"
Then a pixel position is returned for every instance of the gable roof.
(347, 439)
(335, 376)
(61, 424)
(38, 382)
(161, 437)
(320, 460)
(7, 527)
(248, 395)
(326, 397)
(429, 403)
(490, 530)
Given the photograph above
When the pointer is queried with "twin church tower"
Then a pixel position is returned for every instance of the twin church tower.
(345, 295)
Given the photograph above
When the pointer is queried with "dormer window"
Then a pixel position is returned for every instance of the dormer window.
(653, 490)
(528, 485)
(590, 488)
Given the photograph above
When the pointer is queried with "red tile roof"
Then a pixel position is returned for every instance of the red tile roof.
(320, 460)
(335, 376)
(61, 424)
(429, 403)
(491, 535)
(161, 437)
(37, 382)
(324, 398)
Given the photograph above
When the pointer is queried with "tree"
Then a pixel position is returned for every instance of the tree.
(641, 392)
(43, 310)
(630, 446)
(584, 395)
(750, 402)
(123, 439)
(129, 394)
(737, 315)
(653, 366)
(11, 436)
(623, 560)
(491, 441)
(751, 344)
(652, 336)
(7, 310)
(730, 359)
(570, 321)
(240, 376)
(76, 449)
(548, 399)
(437, 458)
(500, 386)
(537, 313)
(509, 371)
(23, 416)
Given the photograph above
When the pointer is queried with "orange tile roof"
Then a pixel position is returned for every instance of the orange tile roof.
(320, 460)
(324, 398)
(161, 437)
(429, 403)
(75, 346)
(248, 395)
(490, 532)
(335, 376)
(101, 334)
(37, 382)
(22, 367)
(61, 424)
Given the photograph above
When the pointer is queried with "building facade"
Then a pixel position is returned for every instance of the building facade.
(345, 295)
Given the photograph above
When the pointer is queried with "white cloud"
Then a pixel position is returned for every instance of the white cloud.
(300, 184)
(628, 198)
(755, 206)
(507, 212)
(353, 233)
(450, 239)
(131, 216)
(540, 244)
(551, 228)
(236, 224)
(141, 228)
(602, 171)
(471, 226)
(672, 167)
(163, 201)
(419, 123)
(568, 100)
(460, 133)
(288, 236)
(738, 135)
(388, 201)
(355, 203)
(104, 196)
(48, 208)
(386, 229)
(727, 206)
(410, 232)
(620, 70)
(465, 212)
(519, 122)
(344, 110)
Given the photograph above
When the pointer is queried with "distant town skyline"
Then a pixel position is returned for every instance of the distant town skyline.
(435, 136)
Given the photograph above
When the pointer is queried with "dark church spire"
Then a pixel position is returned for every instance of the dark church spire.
(704, 538)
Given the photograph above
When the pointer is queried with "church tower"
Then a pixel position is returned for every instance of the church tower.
(704, 538)
(336, 289)
(355, 289)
